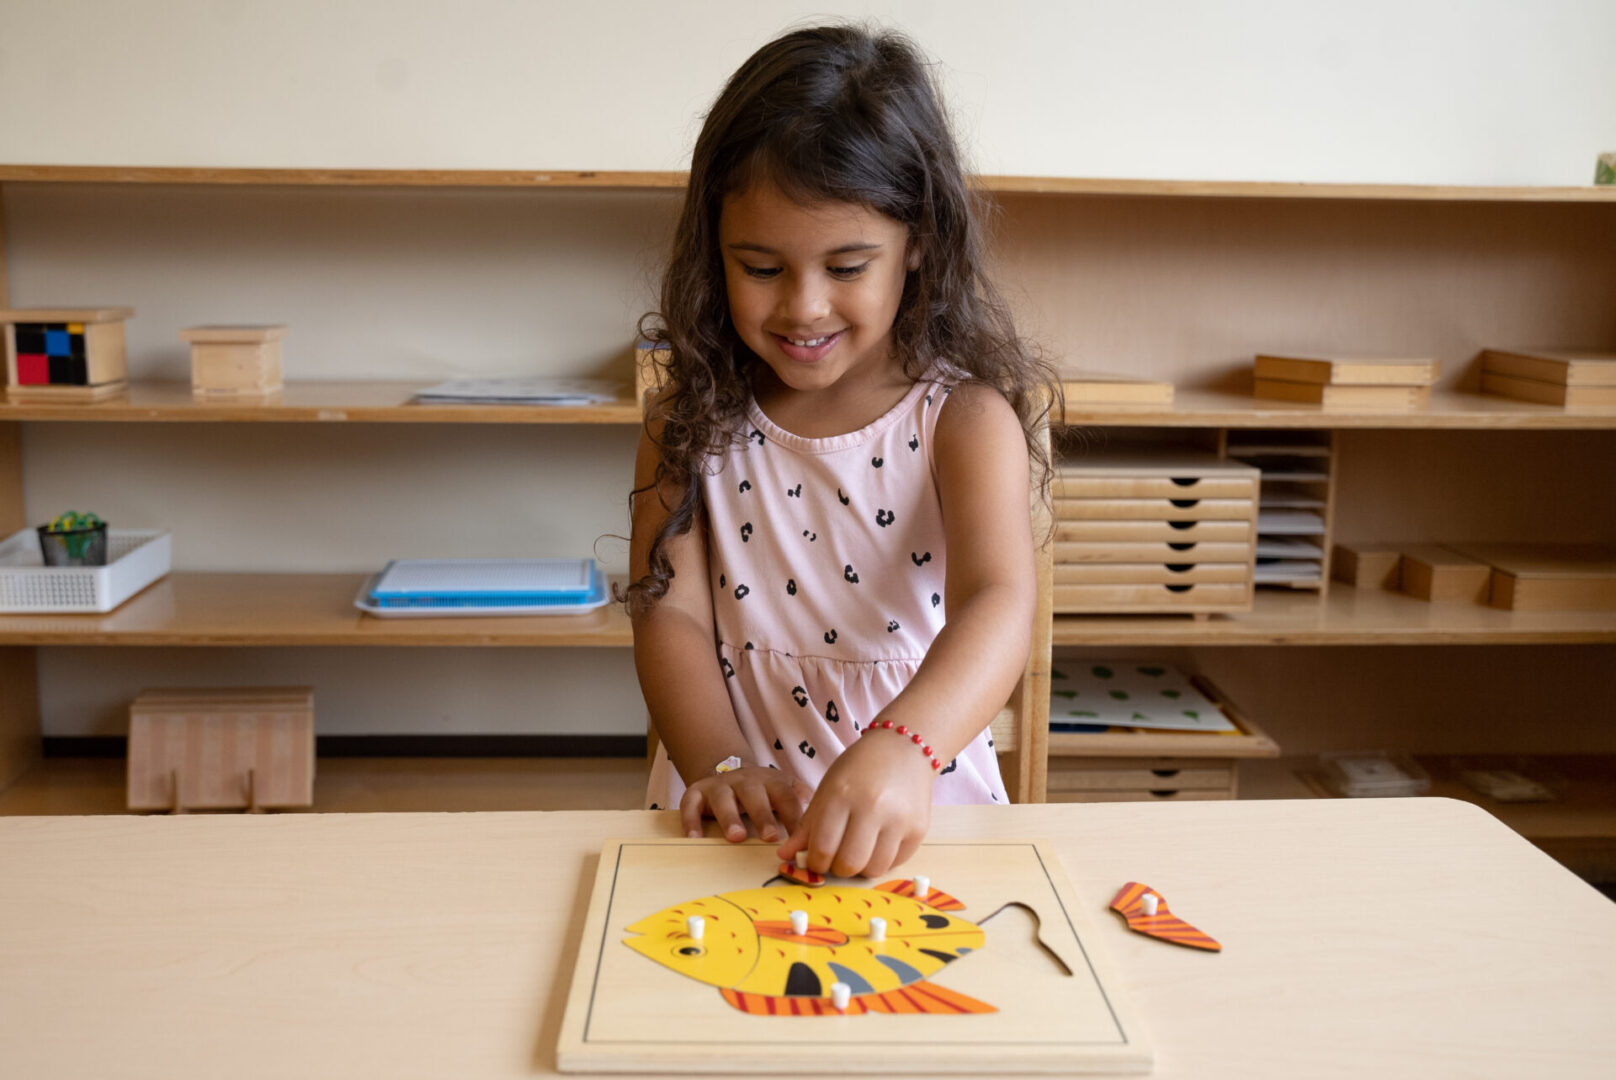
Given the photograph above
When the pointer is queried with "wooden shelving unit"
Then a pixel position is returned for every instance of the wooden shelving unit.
(295, 609)
(1054, 225)
(315, 402)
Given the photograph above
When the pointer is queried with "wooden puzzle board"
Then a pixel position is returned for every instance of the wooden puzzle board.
(628, 1013)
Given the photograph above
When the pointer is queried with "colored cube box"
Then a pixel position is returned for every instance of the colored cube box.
(235, 361)
(65, 354)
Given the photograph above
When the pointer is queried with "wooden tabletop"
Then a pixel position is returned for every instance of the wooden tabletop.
(1383, 938)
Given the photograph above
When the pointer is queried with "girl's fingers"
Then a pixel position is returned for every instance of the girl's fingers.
(907, 848)
(727, 812)
(755, 800)
(858, 843)
(884, 856)
(825, 829)
(690, 812)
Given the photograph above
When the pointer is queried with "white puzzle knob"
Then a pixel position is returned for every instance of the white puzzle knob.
(799, 923)
(1148, 902)
(878, 928)
(696, 925)
(922, 887)
(840, 995)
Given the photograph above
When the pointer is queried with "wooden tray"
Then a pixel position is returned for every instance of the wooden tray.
(1175, 531)
(1071, 552)
(1152, 573)
(628, 1012)
(1182, 509)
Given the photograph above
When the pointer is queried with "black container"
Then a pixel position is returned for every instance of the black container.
(74, 547)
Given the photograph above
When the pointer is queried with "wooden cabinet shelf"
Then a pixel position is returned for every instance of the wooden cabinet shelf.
(675, 181)
(1347, 616)
(389, 402)
(1447, 410)
(380, 402)
(295, 609)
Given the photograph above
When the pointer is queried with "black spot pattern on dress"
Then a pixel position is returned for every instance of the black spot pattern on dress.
(654, 806)
(876, 462)
(950, 767)
(807, 750)
(892, 624)
(920, 560)
(800, 696)
(848, 575)
(884, 518)
(758, 435)
(812, 536)
(830, 637)
(777, 745)
(748, 644)
(794, 493)
(914, 443)
(746, 533)
(831, 713)
(746, 485)
(935, 599)
(726, 667)
(741, 591)
(844, 498)
(721, 581)
(791, 586)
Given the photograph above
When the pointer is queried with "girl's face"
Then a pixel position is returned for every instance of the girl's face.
(813, 290)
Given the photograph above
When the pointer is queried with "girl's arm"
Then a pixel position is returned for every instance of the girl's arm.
(873, 806)
(676, 660)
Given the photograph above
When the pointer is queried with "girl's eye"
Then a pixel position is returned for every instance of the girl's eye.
(763, 273)
(847, 272)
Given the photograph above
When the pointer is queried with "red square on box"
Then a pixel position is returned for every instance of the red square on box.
(33, 370)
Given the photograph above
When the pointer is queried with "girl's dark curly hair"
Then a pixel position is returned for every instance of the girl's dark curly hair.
(837, 114)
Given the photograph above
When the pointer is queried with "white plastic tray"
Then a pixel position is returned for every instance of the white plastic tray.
(135, 559)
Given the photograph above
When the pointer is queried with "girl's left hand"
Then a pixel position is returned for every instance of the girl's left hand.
(871, 811)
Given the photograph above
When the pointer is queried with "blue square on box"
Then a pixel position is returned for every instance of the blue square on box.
(58, 343)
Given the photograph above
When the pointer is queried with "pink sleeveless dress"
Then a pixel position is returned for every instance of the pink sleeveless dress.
(827, 566)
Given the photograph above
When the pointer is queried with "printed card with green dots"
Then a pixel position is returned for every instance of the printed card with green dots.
(1092, 695)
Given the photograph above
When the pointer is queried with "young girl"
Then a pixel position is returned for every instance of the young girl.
(832, 487)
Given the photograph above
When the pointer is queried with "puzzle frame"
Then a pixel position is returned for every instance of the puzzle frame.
(628, 1013)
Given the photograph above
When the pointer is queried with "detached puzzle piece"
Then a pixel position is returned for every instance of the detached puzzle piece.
(1146, 911)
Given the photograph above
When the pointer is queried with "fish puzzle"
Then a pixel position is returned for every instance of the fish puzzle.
(703, 956)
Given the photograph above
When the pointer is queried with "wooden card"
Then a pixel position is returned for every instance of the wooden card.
(662, 1005)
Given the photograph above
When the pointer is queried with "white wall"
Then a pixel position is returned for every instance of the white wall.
(1409, 91)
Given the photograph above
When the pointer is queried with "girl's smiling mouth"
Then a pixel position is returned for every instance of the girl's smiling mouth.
(807, 349)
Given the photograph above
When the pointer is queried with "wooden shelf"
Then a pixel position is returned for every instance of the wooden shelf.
(362, 785)
(388, 402)
(1453, 410)
(317, 609)
(1347, 616)
(323, 402)
(674, 181)
(1584, 807)
(295, 609)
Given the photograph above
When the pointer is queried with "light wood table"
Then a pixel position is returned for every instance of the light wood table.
(1382, 938)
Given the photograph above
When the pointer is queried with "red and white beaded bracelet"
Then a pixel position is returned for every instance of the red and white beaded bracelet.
(914, 737)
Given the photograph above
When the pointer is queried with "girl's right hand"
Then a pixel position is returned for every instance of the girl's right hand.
(768, 796)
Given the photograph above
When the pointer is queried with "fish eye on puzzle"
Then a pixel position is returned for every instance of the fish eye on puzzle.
(690, 950)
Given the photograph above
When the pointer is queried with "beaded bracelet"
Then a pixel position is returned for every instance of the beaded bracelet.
(914, 737)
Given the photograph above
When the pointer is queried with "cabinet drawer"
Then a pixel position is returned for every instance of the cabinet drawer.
(1142, 795)
(1077, 598)
(1151, 573)
(1154, 509)
(1102, 775)
(1072, 552)
(1174, 531)
(1069, 486)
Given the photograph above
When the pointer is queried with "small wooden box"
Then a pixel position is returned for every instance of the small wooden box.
(1368, 566)
(65, 354)
(221, 749)
(235, 361)
(1434, 573)
(1549, 577)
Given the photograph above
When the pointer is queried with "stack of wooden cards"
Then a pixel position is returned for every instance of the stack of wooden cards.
(1092, 388)
(1574, 379)
(1353, 382)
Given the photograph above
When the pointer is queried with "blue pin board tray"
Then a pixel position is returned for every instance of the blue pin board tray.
(439, 587)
